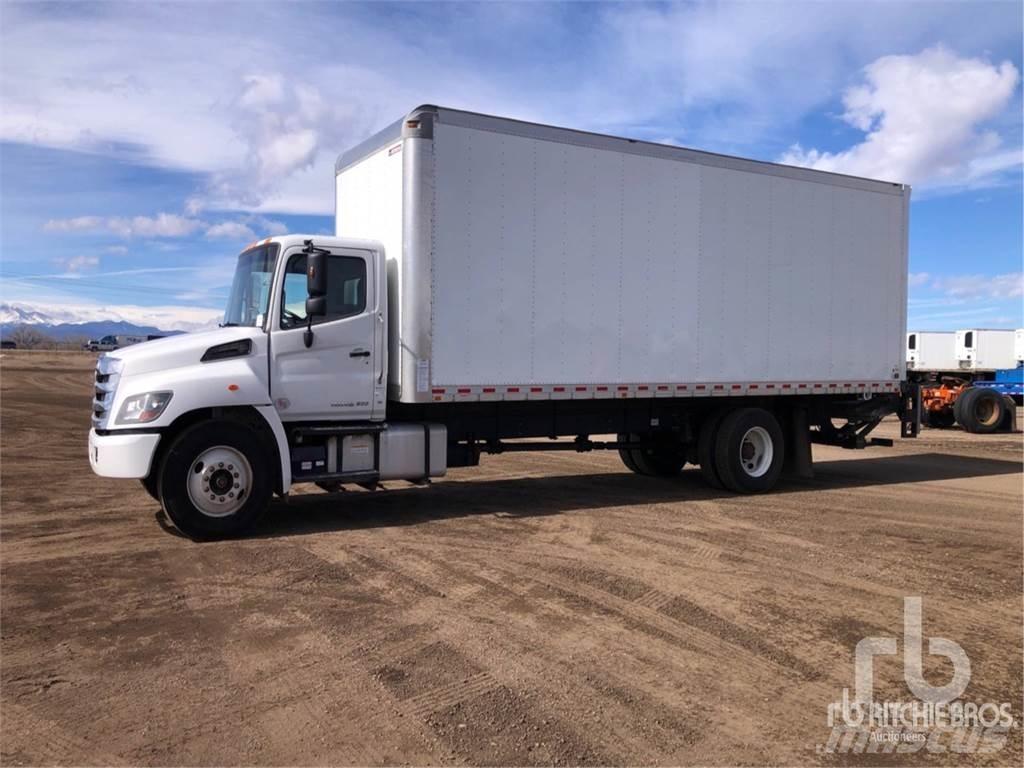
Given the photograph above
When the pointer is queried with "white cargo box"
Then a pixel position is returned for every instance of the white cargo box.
(985, 349)
(931, 351)
(527, 261)
(1018, 345)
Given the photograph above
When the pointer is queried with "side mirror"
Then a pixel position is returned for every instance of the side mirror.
(316, 290)
(316, 276)
(316, 306)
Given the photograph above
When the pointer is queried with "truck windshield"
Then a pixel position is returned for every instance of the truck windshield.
(250, 289)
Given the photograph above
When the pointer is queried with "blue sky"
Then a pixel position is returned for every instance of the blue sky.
(142, 145)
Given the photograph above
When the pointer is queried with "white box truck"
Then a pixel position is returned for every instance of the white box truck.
(985, 349)
(931, 352)
(492, 280)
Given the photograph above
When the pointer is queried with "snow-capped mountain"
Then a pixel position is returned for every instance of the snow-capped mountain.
(94, 320)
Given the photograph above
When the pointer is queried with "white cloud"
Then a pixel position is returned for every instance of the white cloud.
(231, 230)
(262, 119)
(923, 116)
(77, 264)
(1007, 286)
(167, 225)
(247, 228)
(918, 279)
(161, 225)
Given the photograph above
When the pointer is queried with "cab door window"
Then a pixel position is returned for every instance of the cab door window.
(346, 290)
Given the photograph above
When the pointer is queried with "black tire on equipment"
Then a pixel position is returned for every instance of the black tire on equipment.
(729, 446)
(178, 462)
(941, 419)
(706, 449)
(982, 411)
(958, 405)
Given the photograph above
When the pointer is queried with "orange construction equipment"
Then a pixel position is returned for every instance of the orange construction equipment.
(976, 409)
(937, 403)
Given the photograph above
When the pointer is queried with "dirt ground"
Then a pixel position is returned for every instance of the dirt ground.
(541, 609)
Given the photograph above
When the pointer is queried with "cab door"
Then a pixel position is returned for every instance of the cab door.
(333, 379)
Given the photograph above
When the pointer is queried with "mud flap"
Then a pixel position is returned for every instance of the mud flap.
(798, 462)
(910, 409)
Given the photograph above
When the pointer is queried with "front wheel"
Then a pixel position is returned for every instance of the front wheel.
(150, 484)
(215, 480)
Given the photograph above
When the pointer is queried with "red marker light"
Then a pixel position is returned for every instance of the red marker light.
(232, 387)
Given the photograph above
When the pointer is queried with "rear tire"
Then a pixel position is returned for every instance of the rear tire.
(706, 449)
(749, 450)
(205, 467)
(982, 411)
(665, 458)
(626, 454)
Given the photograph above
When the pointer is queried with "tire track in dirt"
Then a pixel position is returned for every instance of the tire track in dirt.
(51, 743)
(481, 685)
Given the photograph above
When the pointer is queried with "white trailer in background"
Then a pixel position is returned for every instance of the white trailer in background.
(931, 351)
(985, 349)
(1018, 346)
(493, 279)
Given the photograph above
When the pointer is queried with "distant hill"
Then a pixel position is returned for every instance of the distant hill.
(94, 330)
(91, 322)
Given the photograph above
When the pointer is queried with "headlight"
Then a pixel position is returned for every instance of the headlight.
(142, 409)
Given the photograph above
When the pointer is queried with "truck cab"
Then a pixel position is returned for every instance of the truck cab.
(291, 386)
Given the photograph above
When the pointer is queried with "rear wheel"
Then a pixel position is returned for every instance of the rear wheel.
(749, 450)
(626, 454)
(664, 455)
(982, 410)
(215, 480)
(706, 449)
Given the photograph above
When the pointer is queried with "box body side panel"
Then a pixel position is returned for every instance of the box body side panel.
(555, 263)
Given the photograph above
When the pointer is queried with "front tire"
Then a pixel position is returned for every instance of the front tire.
(749, 451)
(215, 480)
(150, 484)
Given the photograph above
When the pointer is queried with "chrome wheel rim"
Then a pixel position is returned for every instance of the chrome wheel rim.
(756, 451)
(219, 480)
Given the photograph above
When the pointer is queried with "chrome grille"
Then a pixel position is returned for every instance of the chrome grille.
(108, 371)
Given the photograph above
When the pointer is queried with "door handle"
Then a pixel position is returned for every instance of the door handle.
(359, 353)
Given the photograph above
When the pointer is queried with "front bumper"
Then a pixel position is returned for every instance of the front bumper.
(129, 455)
